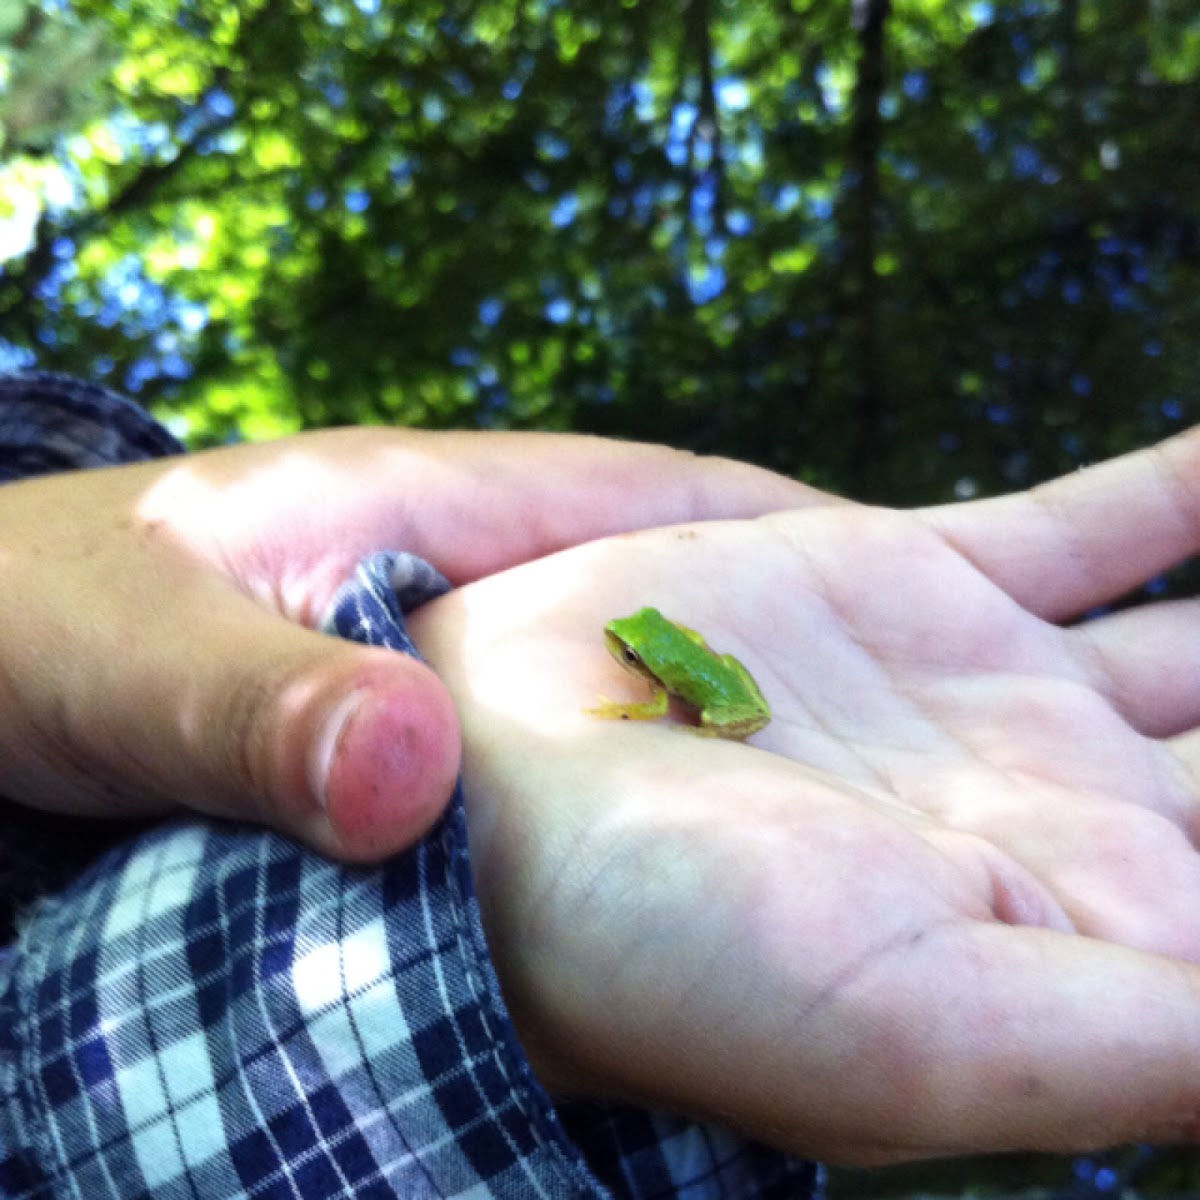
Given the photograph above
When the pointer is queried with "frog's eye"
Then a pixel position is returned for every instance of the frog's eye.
(631, 656)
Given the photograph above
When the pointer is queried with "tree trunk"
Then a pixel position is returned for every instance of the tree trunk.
(860, 219)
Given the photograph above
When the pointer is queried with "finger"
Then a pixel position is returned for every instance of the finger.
(992, 1038)
(471, 503)
(1146, 661)
(1088, 538)
(531, 494)
(353, 750)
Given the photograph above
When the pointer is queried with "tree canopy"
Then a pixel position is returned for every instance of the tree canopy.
(912, 249)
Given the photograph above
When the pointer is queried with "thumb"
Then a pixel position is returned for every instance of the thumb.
(384, 759)
(353, 750)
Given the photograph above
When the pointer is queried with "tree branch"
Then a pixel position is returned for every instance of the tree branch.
(18, 288)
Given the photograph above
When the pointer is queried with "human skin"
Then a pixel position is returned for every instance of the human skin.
(948, 901)
(945, 901)
(157, 643)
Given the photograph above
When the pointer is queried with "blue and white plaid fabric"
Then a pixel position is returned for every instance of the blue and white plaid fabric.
(52, 422)
(212, 1012)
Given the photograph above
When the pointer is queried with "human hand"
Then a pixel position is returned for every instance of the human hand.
(156, 621)
(947, 901)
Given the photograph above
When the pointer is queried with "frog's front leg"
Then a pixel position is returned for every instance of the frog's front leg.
(649, 710)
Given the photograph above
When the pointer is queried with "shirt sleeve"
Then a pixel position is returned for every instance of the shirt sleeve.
(213, 1011)
(51, 422)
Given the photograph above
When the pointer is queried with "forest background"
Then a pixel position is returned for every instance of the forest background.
(910, 250)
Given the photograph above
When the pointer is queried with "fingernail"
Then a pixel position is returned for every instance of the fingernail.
(325, 746)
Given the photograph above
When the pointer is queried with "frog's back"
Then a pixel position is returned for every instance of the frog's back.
(711, 681)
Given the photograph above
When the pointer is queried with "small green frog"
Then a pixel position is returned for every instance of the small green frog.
(677, 661)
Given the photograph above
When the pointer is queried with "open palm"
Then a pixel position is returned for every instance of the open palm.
(948, 900)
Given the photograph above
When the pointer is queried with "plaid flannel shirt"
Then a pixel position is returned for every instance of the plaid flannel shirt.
(211, 1011)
